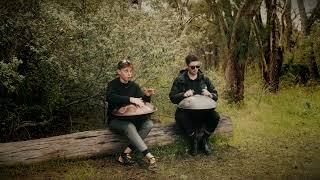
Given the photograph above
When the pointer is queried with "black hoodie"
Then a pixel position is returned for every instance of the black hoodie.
(118, 94)
(183, 83)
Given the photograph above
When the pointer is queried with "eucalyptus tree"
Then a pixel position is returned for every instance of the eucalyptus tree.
(235, 19)
(271, 46)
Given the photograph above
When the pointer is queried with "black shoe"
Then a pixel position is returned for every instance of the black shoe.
(125, 159)
(205, 147)
(194, 144)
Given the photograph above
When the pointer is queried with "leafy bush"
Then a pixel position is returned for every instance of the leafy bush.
(67, 53)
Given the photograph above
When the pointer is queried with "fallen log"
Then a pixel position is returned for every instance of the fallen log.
(87, 144)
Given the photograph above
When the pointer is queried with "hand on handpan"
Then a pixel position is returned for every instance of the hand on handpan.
(205, 92)
(188, 93)
(137, 101)
(149, 91)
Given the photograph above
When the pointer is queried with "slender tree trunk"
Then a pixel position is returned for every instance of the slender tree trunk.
(303, 16)
(210, 59)
(267, 42)
(288, 23)
(259, 31)
(215, 57)
(273, 53)
(276, 53)
(234, 75)
(231, 78)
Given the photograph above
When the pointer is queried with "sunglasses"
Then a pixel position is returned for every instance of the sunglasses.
(193, 67)
(124, 63)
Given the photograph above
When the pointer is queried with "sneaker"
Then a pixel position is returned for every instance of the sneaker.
(125, 159)
(152, 165)
(152, 161)
(205, 147)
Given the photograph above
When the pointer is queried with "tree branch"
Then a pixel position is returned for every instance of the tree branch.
(217, 13)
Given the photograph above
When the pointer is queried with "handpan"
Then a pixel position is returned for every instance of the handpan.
(197, 102)
(133, 110)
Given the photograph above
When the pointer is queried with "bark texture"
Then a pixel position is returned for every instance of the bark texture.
(88, 144)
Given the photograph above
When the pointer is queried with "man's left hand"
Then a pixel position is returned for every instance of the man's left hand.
(206, 93)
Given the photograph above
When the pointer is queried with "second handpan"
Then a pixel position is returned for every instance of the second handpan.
(197, 102)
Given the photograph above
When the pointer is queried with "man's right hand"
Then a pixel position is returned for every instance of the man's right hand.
(137, 101)
(188, 93)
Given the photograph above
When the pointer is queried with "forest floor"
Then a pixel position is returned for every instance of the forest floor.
(274, 137)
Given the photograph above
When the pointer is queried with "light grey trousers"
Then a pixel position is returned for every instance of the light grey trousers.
(135, 130)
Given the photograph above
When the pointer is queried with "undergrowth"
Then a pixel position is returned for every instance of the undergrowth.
(275, 136)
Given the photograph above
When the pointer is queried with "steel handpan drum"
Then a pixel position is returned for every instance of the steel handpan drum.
(197, 102)
(133, 110)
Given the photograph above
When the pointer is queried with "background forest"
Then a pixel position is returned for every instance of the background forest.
(57, 56)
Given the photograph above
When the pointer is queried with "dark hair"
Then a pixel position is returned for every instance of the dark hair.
(190, 58)
(124, 63)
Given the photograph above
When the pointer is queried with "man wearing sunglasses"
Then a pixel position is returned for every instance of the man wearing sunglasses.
(192, 81)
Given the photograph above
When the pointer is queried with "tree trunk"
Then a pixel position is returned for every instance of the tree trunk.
(235, 66)
(258, 31)
(273, 53)
(234, 75)
(288, 28)
(210, 58)
(267, 42)
(231, 79)
(303, 16)
(275, 68)
(276, 54)
(87, 144)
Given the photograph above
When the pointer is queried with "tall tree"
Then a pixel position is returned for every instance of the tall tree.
(235, 22)
(306, 24)
(268, 40)
(275, 52)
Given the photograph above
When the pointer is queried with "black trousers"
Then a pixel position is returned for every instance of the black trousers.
(191, 121)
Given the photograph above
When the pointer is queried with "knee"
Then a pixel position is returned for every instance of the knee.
(148, 124)
(129, 128)
(215, 115)
(181, 116)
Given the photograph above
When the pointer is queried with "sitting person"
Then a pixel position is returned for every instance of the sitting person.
(121, 91)
(192, 81)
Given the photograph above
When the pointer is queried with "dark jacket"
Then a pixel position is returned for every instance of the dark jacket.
(118, 95)
(183, 83)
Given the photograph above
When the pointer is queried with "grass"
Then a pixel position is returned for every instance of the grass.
(275, 137)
